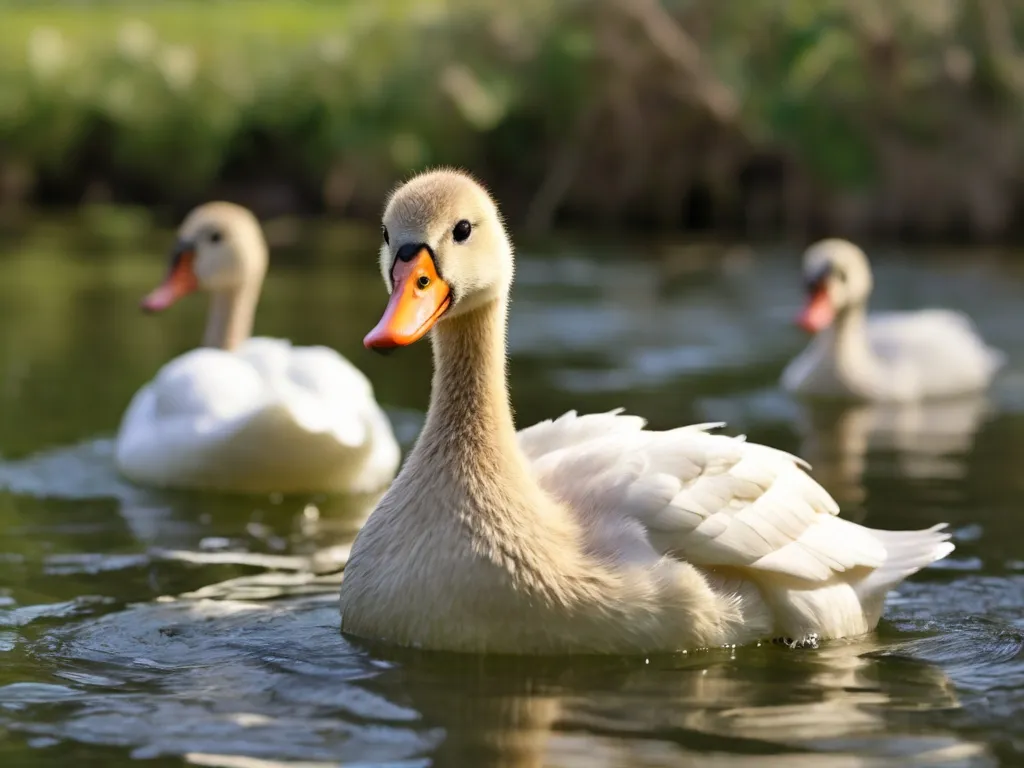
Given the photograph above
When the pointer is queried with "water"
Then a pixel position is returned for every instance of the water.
(202, 630)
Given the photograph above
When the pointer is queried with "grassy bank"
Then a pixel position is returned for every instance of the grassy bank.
(760, 117)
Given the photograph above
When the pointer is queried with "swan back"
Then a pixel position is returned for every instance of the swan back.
(266, 417)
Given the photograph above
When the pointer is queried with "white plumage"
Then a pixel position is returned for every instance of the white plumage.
(265, 417)
(249, 414)
(716, 501)
(586, 534)
(884, 357)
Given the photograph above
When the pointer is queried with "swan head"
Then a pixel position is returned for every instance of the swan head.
(444, 253)
(220, 248)
(836, 277)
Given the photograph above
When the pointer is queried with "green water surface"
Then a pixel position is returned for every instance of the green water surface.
(201, 629)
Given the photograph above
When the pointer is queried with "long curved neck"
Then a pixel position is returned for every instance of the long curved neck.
(848, 340)
(231, 316)
(469, 410)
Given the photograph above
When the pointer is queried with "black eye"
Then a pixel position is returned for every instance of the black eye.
(462, 231)
(215, 236)
(384, 233)
(423, 282)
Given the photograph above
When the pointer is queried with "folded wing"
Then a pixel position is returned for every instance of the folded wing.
(708, 499)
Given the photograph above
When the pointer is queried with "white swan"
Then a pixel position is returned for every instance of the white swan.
(589, 533)
(891, 357)
(249, 414)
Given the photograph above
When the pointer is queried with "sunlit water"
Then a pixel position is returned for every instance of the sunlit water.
(204, 629)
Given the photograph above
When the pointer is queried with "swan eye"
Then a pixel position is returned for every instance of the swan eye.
(462, 231)
(215, 236)
(423, 282)
(384, 233)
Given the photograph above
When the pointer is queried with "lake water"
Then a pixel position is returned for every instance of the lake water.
(203, 630)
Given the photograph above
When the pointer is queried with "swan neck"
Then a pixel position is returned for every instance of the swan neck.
(469, 402)
(849, 335)
(231, 317)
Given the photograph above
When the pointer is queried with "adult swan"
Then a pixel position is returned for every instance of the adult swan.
(249, 414)
(894, 357)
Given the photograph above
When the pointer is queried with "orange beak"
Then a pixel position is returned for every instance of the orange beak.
(418, 300)
(181, 280)
(818, 314)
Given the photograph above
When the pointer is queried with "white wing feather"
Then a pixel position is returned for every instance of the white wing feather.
(708, 499)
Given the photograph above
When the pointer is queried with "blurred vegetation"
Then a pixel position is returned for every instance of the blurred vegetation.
(756, 117)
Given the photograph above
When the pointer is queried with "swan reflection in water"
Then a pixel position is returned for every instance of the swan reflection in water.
(929, 440)
(225, 674)
(291, 533)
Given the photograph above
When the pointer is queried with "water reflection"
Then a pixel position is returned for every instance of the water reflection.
(237, 676)
(291, 532)
(927, 440)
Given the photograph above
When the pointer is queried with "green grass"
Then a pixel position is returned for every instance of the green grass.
(580, 109)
